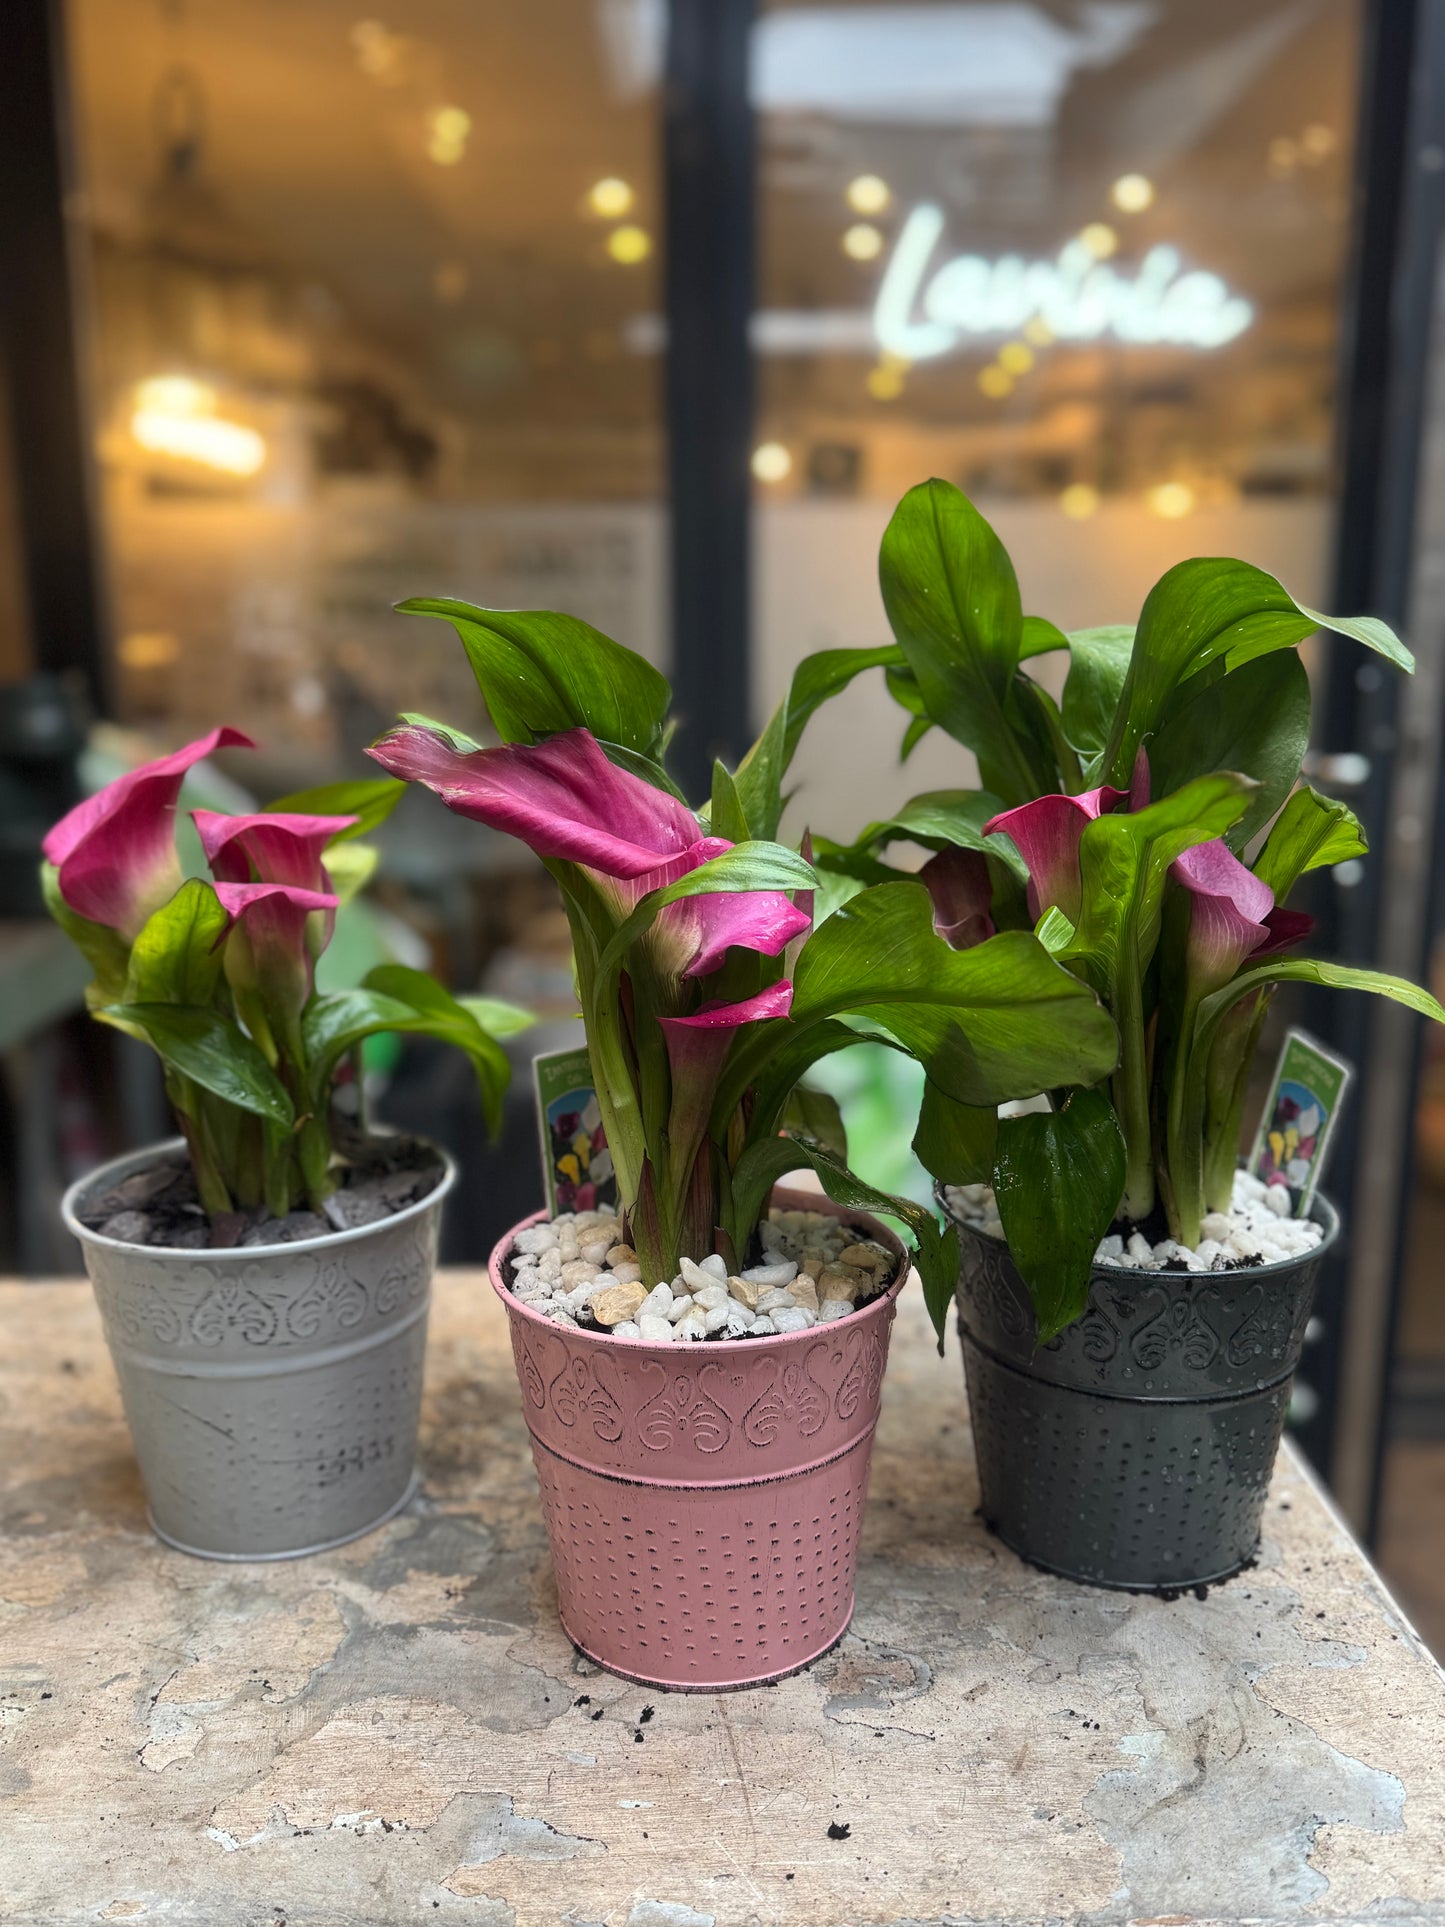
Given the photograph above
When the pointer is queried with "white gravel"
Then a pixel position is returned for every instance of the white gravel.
(577, 1270)
(1257, 1229)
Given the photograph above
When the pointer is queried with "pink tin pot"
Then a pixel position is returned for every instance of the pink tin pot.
(704, 1502)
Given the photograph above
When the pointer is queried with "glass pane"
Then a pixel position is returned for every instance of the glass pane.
(1085, 261)
(360, 285)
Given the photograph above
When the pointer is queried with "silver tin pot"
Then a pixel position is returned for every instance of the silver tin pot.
(272, 1391)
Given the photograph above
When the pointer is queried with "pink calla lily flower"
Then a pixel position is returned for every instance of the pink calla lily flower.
(958, 882)
(1227, 913)
(1046, 834)
(271, 944)
(115, 852)
(1283, 930)
(565, 800)
(272, 847)
(697, 1049)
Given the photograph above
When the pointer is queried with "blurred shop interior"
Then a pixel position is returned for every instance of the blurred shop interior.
(651, 313)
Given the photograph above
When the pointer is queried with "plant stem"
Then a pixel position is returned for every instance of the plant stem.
(1131, 1093)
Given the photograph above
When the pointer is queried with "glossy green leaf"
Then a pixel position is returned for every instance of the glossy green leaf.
(175, 958)
(497, 1016)
(815, 1115)
(946, 819)
(999, 1021)
(935, 1251)
(370, 799)
(955, 1142)
(1255, 720)
(1313, 831)
(1040, 637)
(211, 1050)
(825, 674)
(1058, 1178)
(1212, 609)
(726, 815)
(1098, 665)
(395, 998)
(104, 949)
(953, 603)
(540, 672)
(1124, 861)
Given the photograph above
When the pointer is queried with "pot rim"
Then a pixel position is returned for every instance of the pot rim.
(1322, 1211)
(656, 1348)
(120, 1167)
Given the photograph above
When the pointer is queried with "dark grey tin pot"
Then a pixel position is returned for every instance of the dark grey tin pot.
(1135, 1449)
(273, 1392)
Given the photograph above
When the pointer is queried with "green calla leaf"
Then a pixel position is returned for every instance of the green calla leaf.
(175, 959)
(497, 1016)
(953, 603)
(815, 1115)
(1208, 610)
(935, 1251)
(1255, 720)
(1312, 832)
(1098, 664)
(1124, 862)
(1040, 637)
(350, 866)
(370, 799)
(955, 1142)
(1058, 1178)
(396, 998)
(540, 673)
(824, 674)
(946, 819)
(211, 1050)
(104, 949)
(726, 816)
(999, 1021)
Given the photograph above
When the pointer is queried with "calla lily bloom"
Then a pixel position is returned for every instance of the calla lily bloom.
(566, 801)
(1046, 834)
(271, 945)
(1228, 914)
(697, 1049)
(115, 852)
(958, 882)
(272, 847)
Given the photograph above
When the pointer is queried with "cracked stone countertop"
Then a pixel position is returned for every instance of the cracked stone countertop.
(398, 1732)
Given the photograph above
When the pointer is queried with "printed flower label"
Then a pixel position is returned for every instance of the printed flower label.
(1299, 1117)
(576, 1163)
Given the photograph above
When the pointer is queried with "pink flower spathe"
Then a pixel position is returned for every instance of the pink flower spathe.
(115, 853)
(1046, 834)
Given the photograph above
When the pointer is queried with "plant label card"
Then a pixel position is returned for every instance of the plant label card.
(576, 1163)
(1299, 1118)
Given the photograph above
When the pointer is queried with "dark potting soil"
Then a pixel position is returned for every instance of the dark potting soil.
(159, 1205)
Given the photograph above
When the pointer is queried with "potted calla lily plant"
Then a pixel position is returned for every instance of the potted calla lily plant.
(700, 1368)
(264, 1280)
(1132, 1304)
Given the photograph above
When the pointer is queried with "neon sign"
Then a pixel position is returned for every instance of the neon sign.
(921, 313)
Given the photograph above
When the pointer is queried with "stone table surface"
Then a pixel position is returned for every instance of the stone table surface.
(399, 1732)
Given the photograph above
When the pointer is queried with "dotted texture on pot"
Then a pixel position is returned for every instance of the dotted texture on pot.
(1134, 1449)
(703, 1503)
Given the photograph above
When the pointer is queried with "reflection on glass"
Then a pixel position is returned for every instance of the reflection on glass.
(360, 286)
(1104, 300)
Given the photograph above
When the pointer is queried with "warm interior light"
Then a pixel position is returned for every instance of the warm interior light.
(1132, 193)
(771, 462)
(447, 131)
(148, 649)
(377, 51)
(629, 244)
(868, 194)
(1171, 500)
(174, 415)
(862, 242)
(1100, 239)
(995, 382)
(1318, 140)
(1037, 332)
(610, 198)
(1015, 358)
(885, 382)
(1282, 155)
(1078, 501)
